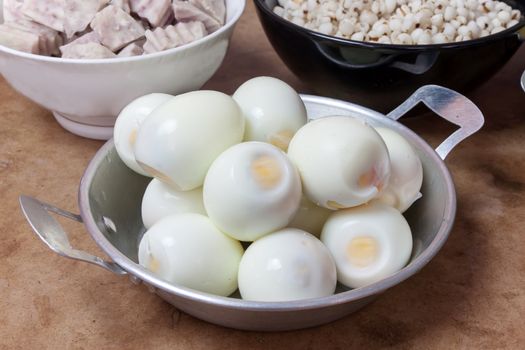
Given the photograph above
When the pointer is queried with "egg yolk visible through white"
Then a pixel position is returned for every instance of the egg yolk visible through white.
(266, 171)
(273, 110)
(251, 190)
(406, 175)
(343, 162)
(368, 243)
(128, 123)
(179, 140)
(362, 251)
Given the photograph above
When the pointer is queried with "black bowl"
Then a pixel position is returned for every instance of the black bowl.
(381, 76)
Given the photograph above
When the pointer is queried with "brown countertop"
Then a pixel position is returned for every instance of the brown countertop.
(470, 296)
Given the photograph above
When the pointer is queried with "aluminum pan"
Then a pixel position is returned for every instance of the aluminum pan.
(205, 305)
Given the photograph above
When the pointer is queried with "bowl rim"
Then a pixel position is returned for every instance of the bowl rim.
(321, 302)
(260, 4)
(115, 60)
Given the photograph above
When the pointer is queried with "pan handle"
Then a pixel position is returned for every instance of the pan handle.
(341, 62)
(54, 236)
(521, 31)
(423, 62)
(449, 105)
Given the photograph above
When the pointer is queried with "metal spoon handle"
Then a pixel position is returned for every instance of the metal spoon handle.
(449, 105)
(54, 236)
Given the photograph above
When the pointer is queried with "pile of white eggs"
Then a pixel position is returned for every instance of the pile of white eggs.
(319, 202)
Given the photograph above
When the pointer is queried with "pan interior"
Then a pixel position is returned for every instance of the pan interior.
(115, 192)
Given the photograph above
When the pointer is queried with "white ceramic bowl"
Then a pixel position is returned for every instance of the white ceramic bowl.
(86, 96)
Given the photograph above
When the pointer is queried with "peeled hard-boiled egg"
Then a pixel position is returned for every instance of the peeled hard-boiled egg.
(273, 110)
(287, 265)
(406, 174)
(179, 140)
(343, 162)
(127, 124)
(188, 250)
(368, 243)
(310, 217)
(161, 200)
(251, 190)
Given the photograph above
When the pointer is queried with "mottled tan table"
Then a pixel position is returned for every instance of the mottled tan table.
(470, 296)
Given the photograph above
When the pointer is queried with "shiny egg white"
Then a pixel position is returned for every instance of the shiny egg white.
(188, 250)
(343, 162)
(406, 176)
(287, 265)
(161, 200)
(179, 140)
(368, 243)
(251, 190)
(273, 110)
(127, 124)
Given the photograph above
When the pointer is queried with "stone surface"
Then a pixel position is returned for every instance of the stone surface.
(470, 296)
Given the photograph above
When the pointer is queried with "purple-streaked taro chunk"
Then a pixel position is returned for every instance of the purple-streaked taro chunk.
(49, 40)
(191, 31)
(215, 8)
(87, 38)
(116, 28)
(168, 18)
(50, 13)
(132, 49)
(19, 39)
(157, 12)
(186, 12)
(172, 36)
(13, 10)
(89, 50)
(79, 13)
(122, 4)
(162, 39)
